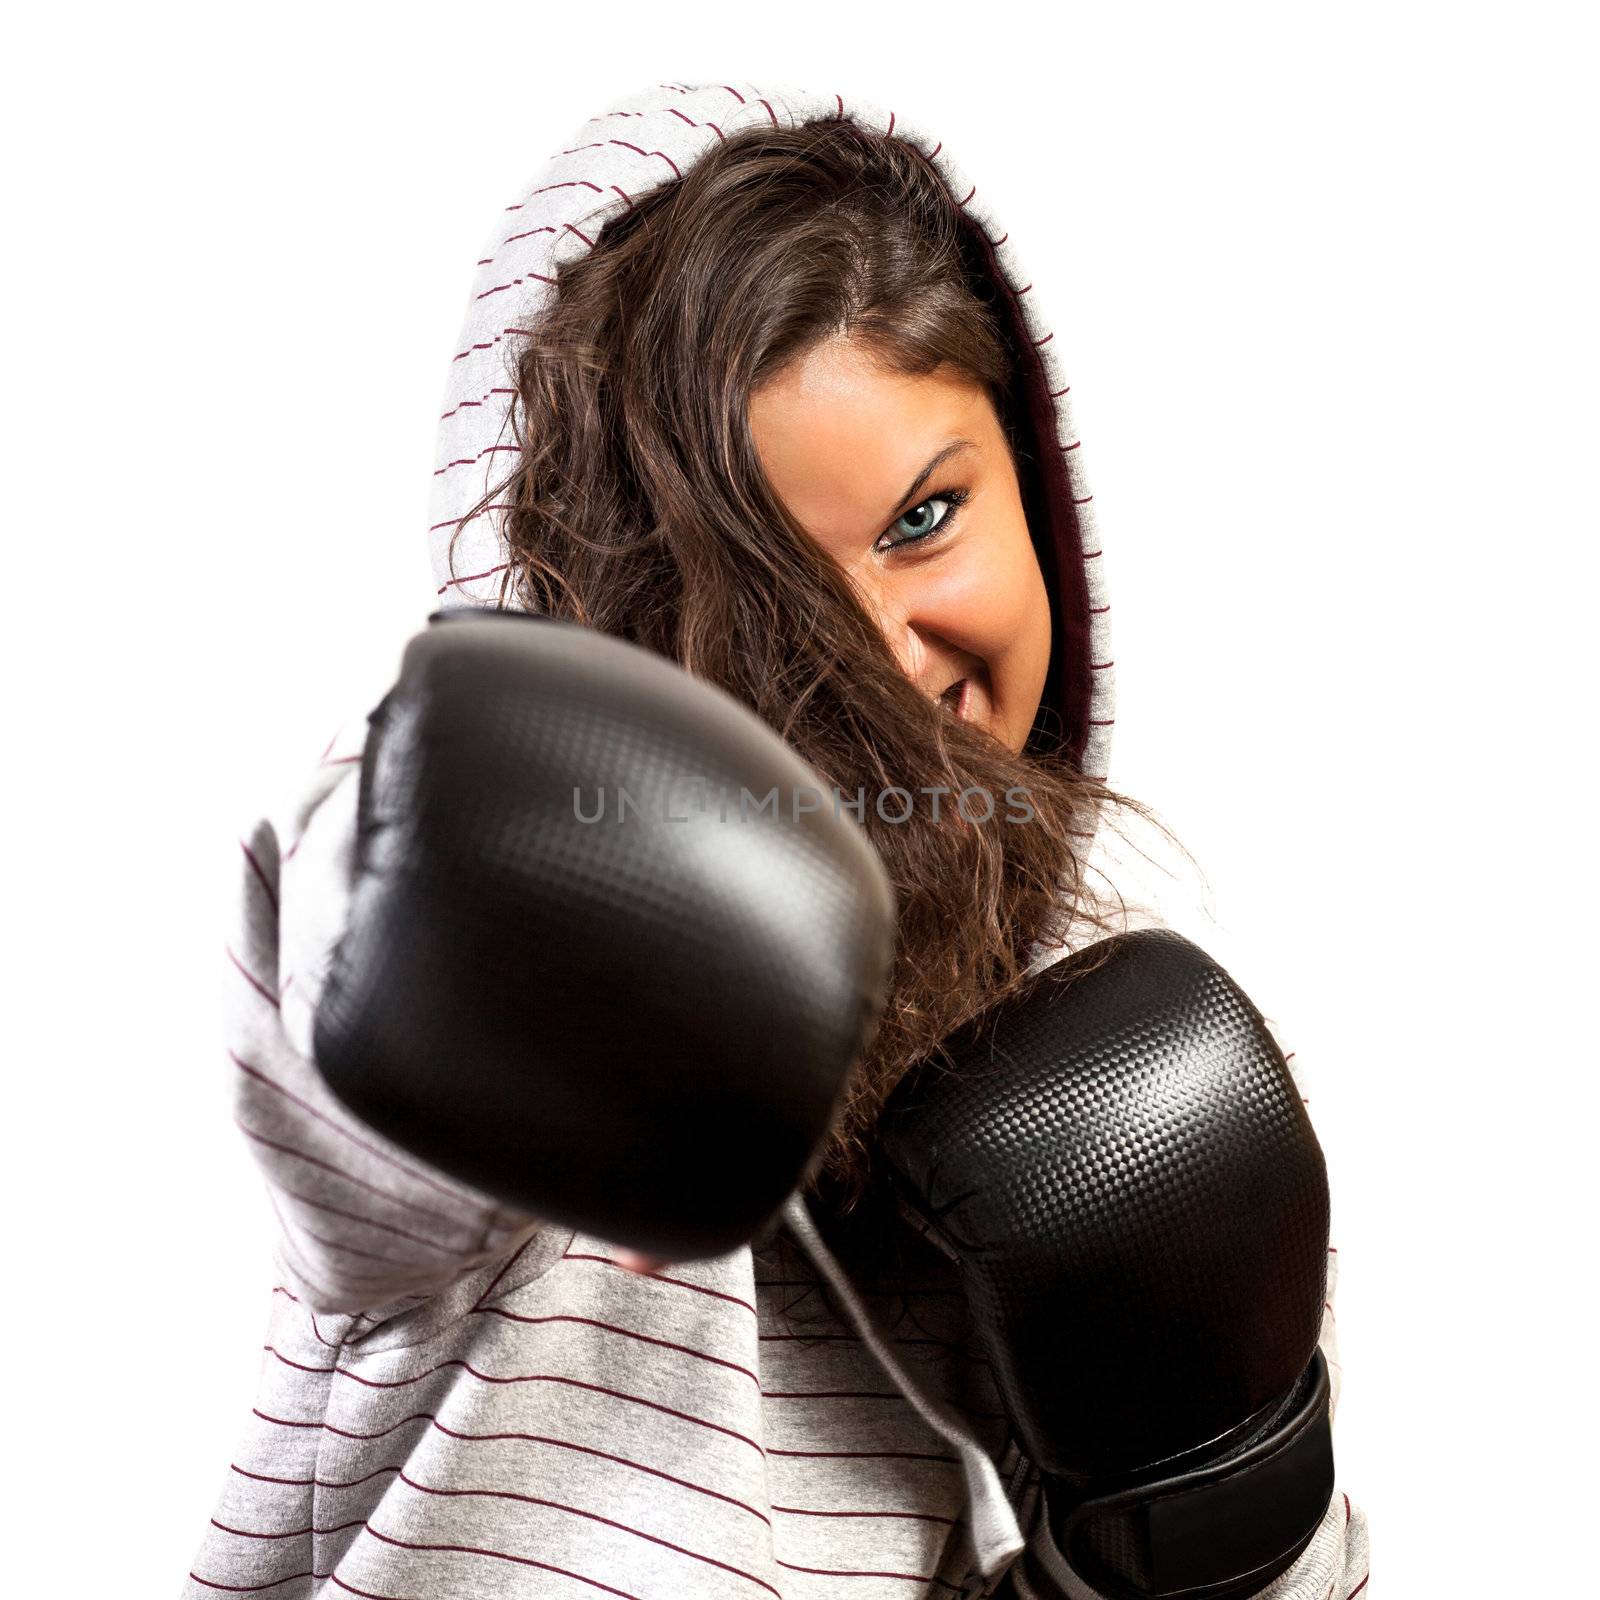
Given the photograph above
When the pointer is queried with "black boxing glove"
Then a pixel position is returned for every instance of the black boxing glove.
(612, 951)
(1121, 1164)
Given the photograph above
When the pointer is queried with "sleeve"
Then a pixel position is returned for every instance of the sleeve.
(362, 1226)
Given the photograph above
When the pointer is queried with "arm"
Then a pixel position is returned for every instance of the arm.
(461, 1002)
(1336, 1563)
(1162, 890)
(1123, 1166)
(362, 1225)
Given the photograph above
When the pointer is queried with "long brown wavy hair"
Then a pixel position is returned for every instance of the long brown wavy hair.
(638, 506)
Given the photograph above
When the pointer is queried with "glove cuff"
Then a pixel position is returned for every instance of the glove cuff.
(1218, 1532)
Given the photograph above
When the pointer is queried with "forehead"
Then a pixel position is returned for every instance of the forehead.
(840, 438)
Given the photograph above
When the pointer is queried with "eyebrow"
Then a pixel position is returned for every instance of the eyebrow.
(954, 446)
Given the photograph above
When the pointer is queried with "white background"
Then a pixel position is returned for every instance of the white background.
(1325, 287)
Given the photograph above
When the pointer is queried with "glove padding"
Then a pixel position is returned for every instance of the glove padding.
(637, 1026)
(1123, 1167)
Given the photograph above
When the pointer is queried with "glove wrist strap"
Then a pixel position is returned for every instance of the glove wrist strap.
(1216, 1532)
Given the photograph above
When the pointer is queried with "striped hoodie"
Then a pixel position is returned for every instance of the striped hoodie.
(457, 1400)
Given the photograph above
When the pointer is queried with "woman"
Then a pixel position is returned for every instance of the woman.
(754, 380)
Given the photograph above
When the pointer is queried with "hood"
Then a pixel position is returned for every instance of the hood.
(651, 138)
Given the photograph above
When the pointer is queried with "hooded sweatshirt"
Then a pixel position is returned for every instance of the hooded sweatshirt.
(459, 1400)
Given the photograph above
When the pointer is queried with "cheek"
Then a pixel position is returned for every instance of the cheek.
(1036, 632)
(1016, 630)
(1001, 597)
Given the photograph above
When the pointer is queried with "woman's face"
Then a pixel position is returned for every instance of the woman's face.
(908, 483)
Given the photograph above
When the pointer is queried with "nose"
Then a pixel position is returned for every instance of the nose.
(927, 659)
(910, 650)
(893, 617)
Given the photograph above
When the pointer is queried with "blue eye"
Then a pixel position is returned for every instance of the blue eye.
(917, 520)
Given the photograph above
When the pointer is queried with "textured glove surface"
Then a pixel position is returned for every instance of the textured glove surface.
(1123, 1166)
(637, 1024)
